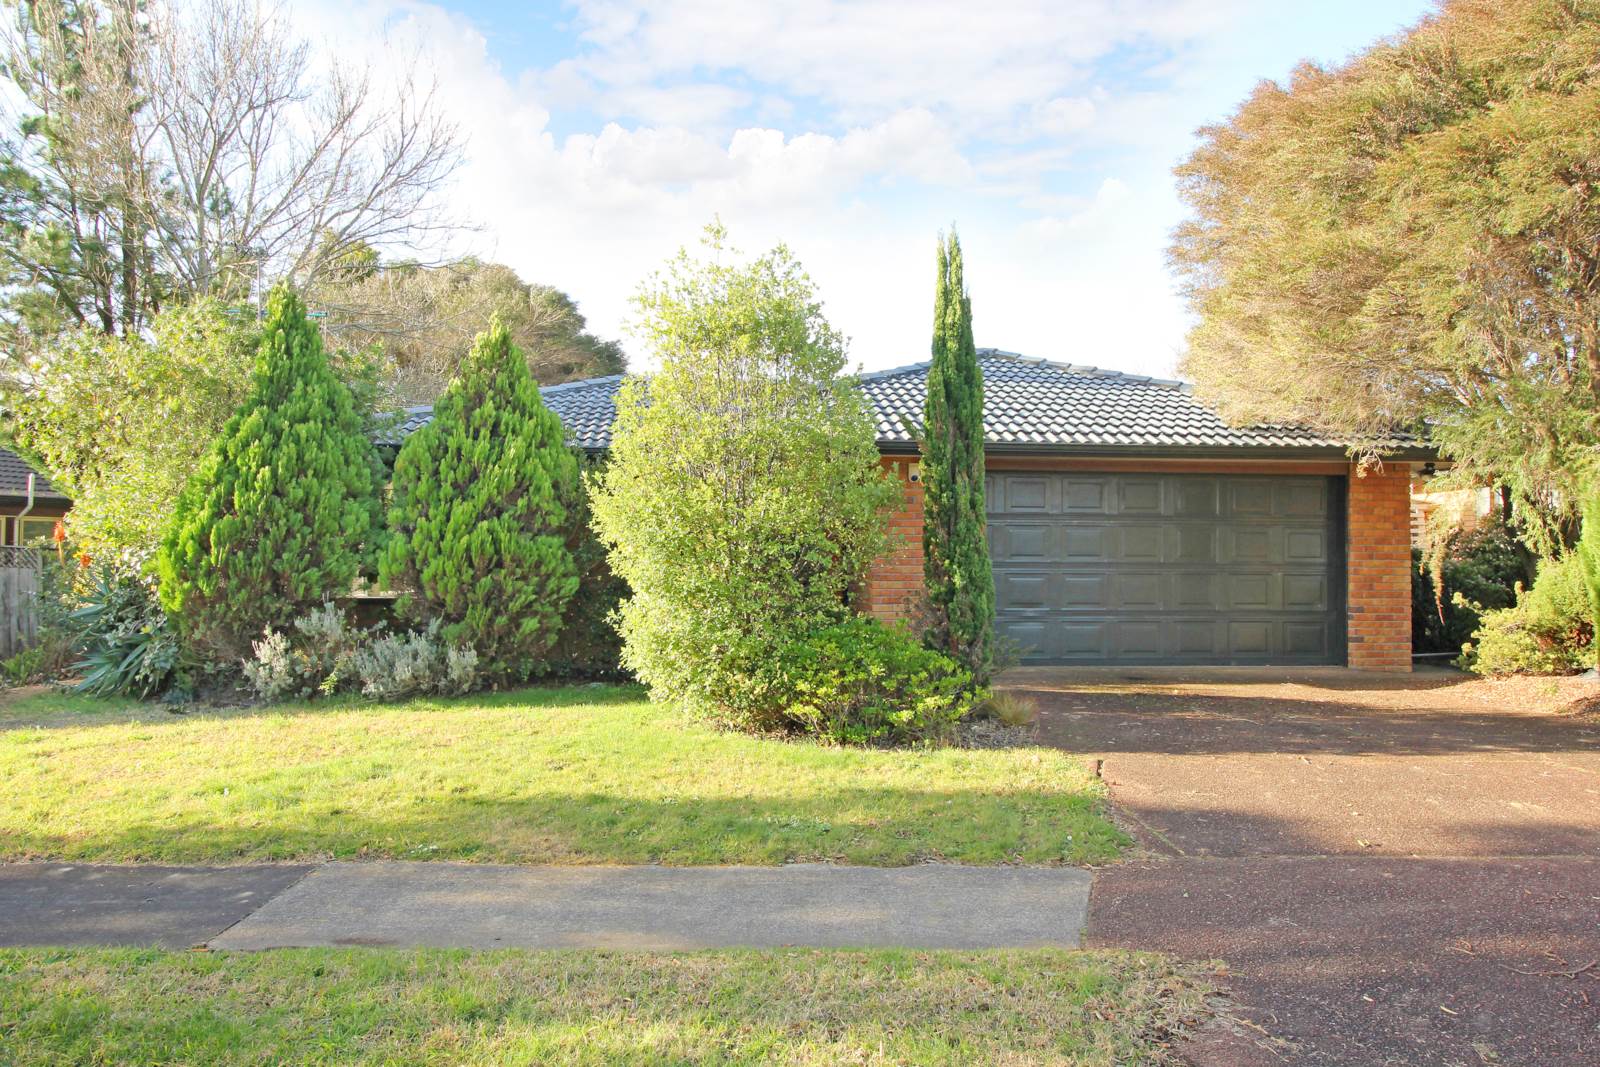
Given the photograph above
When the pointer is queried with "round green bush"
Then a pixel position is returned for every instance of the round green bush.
(861, 681)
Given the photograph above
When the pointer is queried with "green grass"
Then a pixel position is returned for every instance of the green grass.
(586, 775)
(352, 1006)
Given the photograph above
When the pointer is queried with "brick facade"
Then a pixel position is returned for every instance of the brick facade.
(895, 580)
(1378, 560)
(1378, 552)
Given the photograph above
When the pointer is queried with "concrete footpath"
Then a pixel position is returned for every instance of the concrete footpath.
(480, 906)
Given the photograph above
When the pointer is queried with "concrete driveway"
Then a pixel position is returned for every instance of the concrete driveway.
(1396, 869)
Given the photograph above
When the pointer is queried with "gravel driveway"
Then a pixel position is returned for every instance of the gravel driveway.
(1396, 869)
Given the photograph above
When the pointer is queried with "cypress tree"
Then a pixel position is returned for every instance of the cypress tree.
(483, 501)
(956, 568)
(278, 514)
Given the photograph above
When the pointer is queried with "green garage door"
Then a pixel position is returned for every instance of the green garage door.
(1179, 568)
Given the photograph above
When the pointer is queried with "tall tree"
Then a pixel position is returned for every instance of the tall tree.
(424, 319)
(283, 511)
(154, 151)
(956, 567)
(481, 526)
(1409, 240)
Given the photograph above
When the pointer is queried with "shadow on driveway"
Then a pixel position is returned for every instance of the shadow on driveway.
(1397, 869)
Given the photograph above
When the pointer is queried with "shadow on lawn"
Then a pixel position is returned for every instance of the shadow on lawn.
(885, 826)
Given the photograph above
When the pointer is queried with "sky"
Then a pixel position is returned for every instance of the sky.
(602, 135)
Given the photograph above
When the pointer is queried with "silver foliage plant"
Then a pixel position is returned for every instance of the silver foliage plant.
(322, 654)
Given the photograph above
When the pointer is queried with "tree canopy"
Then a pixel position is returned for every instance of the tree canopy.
(154, 151)
(1412, 240)
(424, 320)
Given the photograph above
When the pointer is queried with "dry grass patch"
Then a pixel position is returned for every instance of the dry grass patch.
(446, 1007)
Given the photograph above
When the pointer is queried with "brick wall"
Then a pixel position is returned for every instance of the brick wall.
(1379, 553)
(895, 580)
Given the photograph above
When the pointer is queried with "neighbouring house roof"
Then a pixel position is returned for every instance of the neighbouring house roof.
(1029, 405)
(14, 471)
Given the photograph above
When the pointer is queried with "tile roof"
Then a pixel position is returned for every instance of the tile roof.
(14, 471)
(1028, 404)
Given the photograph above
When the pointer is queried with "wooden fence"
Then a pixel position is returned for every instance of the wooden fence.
(19, 589)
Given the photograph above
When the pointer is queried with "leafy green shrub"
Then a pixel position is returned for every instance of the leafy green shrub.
(1481, 570)
(861, 681)
(128, 645)
(280, 512)
(743, 498)
(1548, 631)
(480, 524)
(322, 654)
(120, 421)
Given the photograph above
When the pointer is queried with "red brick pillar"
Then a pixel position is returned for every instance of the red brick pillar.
(1379, 575)
(895, 580)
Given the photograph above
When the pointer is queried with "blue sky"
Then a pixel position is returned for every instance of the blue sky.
(602, 134)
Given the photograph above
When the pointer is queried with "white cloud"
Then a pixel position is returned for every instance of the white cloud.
(852, 131)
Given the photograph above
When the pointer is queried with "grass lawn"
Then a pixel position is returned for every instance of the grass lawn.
(583, 775)
(353, 1006)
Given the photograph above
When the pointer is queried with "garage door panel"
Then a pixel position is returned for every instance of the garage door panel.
(1137, 591)
(1250, 592)
(1137, 639)
(1141, 544)
(1195, 498)
(1139, 496)
(1103, 568)
(1086, 544)
(1193, 544)
(1084, 640)
(1305, 592)
(1195, 592)
(1305, 546)
(1303, 500)
(1194, 639)
(1305, 639)
(1084, 496)
(1023, 542)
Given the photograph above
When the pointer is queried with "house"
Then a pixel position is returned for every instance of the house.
(1130, 525)
(27, 518)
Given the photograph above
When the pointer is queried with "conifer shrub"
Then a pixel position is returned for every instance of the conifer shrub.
(957, 573)
(484, 501)
(283, 509)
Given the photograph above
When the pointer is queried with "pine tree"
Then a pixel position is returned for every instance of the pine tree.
(277, 516)
(956, 568)
(480, 519)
